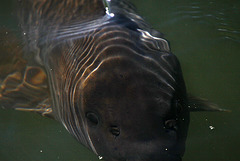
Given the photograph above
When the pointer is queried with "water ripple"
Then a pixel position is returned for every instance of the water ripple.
(214, 14)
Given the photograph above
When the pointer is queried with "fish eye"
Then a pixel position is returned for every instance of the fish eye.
(92, 118)
(115, 131)
(171, 124)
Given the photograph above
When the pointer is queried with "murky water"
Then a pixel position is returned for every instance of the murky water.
(205, 35)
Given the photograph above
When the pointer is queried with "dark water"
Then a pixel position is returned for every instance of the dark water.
(205, 35)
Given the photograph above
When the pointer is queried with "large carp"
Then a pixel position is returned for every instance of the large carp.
(98, 68)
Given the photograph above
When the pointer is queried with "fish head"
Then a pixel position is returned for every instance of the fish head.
(135, 111)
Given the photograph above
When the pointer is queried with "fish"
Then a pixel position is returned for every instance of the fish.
(106, 75)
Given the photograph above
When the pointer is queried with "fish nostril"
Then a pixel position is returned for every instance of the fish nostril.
(171, 124)
(121, 76)
(92, 118)
(115, 130)
(179, 107)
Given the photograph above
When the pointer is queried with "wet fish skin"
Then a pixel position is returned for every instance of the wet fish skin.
(114, 85)
(118, 100)
(127, 103)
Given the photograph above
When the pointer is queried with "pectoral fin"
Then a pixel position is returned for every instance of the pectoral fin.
(10, 54)
(27, 91)
(22, 87)
(200, 104)
(44, 108)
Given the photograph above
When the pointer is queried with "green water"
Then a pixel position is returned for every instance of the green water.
(205, 35)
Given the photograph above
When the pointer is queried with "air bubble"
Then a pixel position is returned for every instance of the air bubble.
(211, 127)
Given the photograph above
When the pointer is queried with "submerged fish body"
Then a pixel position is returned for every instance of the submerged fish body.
(113, 81)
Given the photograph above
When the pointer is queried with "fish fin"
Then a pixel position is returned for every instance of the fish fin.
(44, 108)
(201, 104)
(10, 53)
(27, 91)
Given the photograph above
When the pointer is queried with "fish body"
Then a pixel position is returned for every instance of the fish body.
(112, 80)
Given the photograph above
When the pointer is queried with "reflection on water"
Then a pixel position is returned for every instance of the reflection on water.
(215, 14)
(220, 15)
(205, 35)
